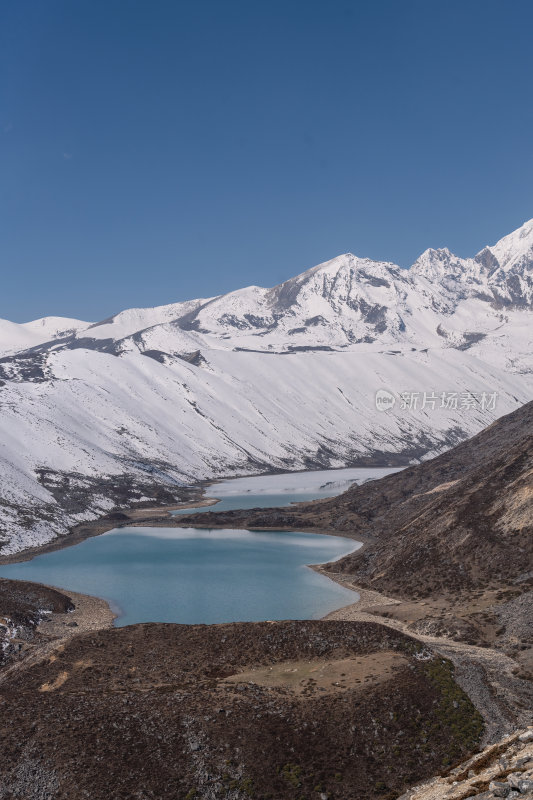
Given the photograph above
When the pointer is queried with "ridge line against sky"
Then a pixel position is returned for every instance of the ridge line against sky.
(157, 152)
(311, 269)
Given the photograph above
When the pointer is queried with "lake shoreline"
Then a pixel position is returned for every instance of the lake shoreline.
(156, 515)
(178, 575)
(162, 517)
(408, 616)
(103, 524)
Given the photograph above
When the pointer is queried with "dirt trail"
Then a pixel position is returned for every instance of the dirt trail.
(486, 675)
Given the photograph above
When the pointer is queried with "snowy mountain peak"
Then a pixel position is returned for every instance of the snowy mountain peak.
(341, 303)
(515, 249)
(20, 336)
(511, 267)
(437, 263)
(55, 326)
(501, 274)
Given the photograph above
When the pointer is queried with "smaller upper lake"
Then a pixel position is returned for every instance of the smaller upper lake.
(209, 576)
(271, 491)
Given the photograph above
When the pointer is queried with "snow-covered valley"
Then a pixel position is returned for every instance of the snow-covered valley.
(93, 415)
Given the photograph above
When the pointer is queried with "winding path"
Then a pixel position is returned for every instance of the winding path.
(486, 675)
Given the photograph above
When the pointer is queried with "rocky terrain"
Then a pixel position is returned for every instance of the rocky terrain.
(22, 607)
(261, 710)
(394, 690)
(504, 769)
(132, 408)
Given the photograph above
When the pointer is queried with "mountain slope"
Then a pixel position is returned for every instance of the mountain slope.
(462, 520)
(451, 539)
(256, 379)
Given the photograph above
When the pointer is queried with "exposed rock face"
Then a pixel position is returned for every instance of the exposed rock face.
(504, 769)
(22, 607)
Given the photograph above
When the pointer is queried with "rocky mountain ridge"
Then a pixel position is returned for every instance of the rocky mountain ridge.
(259, 379)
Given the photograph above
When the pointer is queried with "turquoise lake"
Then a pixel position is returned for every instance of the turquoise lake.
(204, 576)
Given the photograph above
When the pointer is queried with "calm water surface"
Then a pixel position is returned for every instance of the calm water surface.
(203, 576)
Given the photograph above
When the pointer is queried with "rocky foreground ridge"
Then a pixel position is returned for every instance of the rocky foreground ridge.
(504, 769)
(247, 710)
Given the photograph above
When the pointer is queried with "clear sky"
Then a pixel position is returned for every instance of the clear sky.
(160, 150)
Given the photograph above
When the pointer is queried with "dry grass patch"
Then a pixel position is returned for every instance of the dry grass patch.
(331, 676)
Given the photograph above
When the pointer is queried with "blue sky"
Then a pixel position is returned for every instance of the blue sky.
(155, 151)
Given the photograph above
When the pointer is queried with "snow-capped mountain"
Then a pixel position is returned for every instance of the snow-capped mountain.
(15, 337)
(260, 378)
